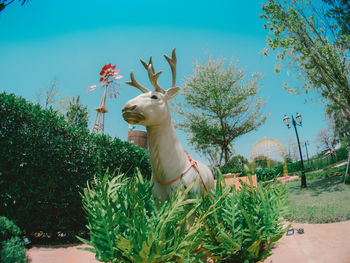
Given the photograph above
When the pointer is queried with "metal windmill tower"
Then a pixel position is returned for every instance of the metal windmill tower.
(109, 76)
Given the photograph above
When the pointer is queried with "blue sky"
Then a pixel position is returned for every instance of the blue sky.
(70, 41)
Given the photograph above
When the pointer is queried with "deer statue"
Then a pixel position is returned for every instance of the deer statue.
(170, 163)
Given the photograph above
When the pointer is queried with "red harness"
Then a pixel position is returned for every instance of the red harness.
(193, 163)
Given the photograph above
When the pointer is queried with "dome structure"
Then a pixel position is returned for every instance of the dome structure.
(268, 149)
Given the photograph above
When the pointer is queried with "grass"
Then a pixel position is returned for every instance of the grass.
(325, 200)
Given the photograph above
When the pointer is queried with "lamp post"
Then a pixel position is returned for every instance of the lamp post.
(295, 124)
(307, 154)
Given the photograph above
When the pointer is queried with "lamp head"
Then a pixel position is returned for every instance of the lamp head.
(298, 117)
(286, 120)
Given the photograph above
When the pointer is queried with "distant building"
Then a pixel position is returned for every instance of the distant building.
(138, 138)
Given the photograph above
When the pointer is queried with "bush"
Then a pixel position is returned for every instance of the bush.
(11, 246)
(232, 167)
(13, 251)
(246, 224)
(126, 226)
(8, 229)
(45, 162)
(266, 174)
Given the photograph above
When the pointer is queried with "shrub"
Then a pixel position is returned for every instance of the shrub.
(246, 224)
(11, 246)
(232, 167)
(45, 162)
(126, 226)
(13, 251)
(266, 174)
(8, 229)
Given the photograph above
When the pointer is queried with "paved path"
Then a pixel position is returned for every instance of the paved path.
(60, 254)
(321, 243)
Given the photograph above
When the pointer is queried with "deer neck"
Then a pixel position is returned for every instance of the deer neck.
(168, 158)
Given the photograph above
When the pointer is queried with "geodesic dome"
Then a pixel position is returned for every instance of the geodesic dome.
(270, 149)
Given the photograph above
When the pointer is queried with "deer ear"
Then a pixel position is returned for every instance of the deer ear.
(171, 93)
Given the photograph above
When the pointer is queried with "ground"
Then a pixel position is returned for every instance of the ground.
(321, 243)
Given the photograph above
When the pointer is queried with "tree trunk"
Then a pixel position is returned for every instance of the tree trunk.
(226, 154)
(347, 165)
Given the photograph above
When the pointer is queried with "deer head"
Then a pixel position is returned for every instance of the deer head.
(151, 107)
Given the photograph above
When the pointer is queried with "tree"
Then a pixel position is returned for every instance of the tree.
(292, 154)
(312, 44)
(77, 114)
(52, 98)
(340, 127)
(5, 3)
(340, 11)
(220, 106)
(327, 141)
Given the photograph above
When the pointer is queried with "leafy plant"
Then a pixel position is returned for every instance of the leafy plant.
(13, 251)
(234, 166)
(246, 224)
(8, 228)
(126, 226)
(266, 174)
(11, 246)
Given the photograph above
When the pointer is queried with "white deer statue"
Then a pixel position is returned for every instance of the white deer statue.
(170, 163)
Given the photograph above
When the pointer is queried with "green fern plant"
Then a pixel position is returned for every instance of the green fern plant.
(246, 224)
(126, 226)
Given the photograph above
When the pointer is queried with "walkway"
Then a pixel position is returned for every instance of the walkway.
(321, 243)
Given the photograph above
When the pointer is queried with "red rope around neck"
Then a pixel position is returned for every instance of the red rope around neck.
(193, 163)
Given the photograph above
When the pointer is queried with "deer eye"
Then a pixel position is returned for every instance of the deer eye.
(154, 97)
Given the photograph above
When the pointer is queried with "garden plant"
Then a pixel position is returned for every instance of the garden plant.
(126, 225)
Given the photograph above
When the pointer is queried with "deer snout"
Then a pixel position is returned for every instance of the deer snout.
(131, 115)
(128, 108)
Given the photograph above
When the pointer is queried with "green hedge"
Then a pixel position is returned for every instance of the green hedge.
(232, 167)
(318, 162)
(266, 174)
(45, 163)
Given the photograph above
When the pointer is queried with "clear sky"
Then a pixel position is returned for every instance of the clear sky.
(70, 41)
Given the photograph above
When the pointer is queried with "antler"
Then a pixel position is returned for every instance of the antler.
(172, 62)
(152, 75)
(135, 84)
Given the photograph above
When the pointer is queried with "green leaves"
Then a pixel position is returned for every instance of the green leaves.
(126, 226)
(311, 44)
(220, 105)
(245, 224)
(45, 162)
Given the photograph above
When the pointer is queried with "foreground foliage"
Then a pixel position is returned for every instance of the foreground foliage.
(126, 226)
(246, 224)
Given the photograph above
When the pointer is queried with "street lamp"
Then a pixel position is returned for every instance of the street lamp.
(306, 143)
(295, 124)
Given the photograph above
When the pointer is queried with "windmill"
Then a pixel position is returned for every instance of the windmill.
(109, 77)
